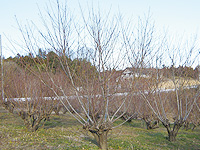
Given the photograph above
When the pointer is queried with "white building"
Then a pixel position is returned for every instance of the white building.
(129, 74)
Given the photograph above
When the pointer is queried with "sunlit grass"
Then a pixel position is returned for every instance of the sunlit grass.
(64, 132)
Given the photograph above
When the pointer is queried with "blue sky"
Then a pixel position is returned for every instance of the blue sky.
(178, 16)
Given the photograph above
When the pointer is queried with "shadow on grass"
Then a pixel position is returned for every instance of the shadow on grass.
(60, 121)
(92, 140)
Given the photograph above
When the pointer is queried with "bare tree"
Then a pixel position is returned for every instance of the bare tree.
(142, 44)
(147, 52)
(24, 95)
(88, 56)
(173, 99)
(193, 120)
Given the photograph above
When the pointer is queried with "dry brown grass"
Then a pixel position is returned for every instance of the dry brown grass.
(169, 84)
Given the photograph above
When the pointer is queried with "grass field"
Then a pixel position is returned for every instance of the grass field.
(64, 132)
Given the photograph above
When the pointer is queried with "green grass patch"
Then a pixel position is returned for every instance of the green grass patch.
(64, 132)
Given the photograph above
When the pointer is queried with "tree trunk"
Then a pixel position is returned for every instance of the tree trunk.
(57, 109)
(172, 136)
(101, 138)
(172, 133)
(31, 122)
(35, 124)
(151, 124)
(9, 106)
(194, 126)
(186, 125)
